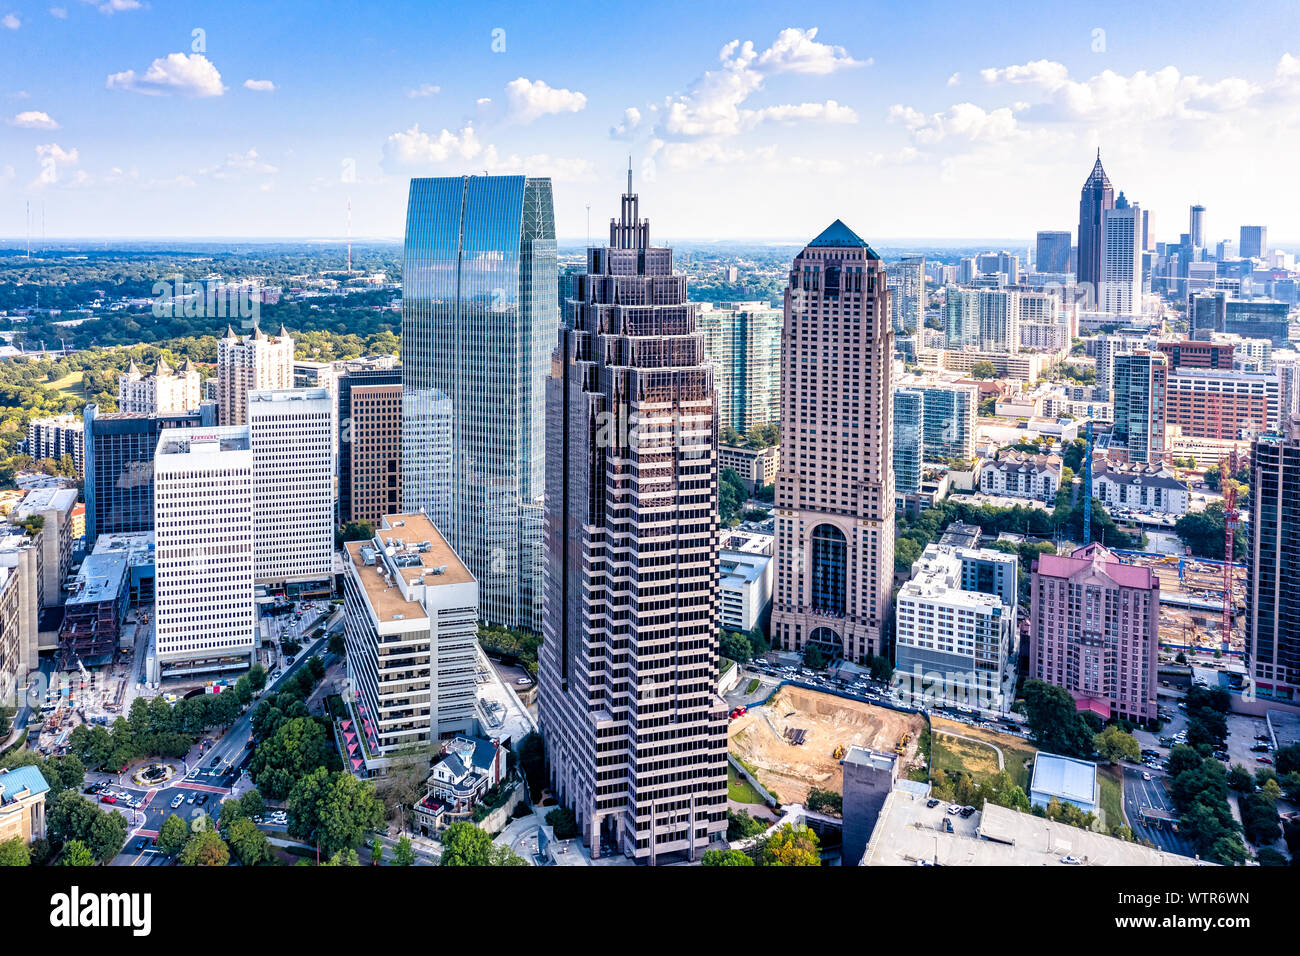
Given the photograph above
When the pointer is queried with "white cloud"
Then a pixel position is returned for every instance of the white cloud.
(964, 121)
(259, 86)
(424, 89)
(10, 21)
(34, 119)
(184, 74)
(530, 99)
(236, 164)
(714, 105)
(59, 13)
(110, 7)
(56, 154)
(631, 120)
(414, 147)
(954, 79)
(1048, 74)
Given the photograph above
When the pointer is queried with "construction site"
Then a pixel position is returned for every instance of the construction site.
(796, 739)
(1192, 611)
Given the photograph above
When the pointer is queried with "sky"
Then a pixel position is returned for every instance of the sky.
(754, 120)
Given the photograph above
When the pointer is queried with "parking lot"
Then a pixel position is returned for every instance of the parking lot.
(1151, 793)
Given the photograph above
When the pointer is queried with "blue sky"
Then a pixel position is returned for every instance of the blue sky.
(757, 120)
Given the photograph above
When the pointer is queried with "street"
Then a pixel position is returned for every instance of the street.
(1140, 794)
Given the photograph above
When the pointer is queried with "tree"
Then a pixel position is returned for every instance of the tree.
(464, 844)
(735, 645)
(334, 809)
(14, 852)
(726, 858)
(825, 801)
(906, 553)
(106, 836)
(357, 531)
(376, 851)
(296, 748)
(172, 835)
(205, 848)
(76, 853)
(1241, 779)
(790, 846)
(249, 844)
(732, 494)
(1287, 760)
(403, 853)
(336, 644)
(257, 677)
(983, 370)
(1115, 745)
(563, 822)
(1054, 721)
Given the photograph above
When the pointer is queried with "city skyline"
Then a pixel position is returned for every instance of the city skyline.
(262, 141)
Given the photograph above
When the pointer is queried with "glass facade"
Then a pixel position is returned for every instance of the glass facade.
(909, 439)
(830, 569)
(479, 319)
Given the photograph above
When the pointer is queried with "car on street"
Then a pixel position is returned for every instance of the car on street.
(141, 843)
(203, 798)
(1264, 760)
(1071, 860)
(1145, 775)
(190, 798)
(178, 800)
(108, 798)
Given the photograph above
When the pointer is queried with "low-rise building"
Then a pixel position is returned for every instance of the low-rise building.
(1022, 475)
(756, 466)
(745, 569)
(1066, 780)
(469, 768)
(22, 804)
(1149, 489)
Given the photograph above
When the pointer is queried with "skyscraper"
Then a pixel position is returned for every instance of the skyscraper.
(1097, 196)
(907, 283)
(1141, 413)
(909, 439)
(1121, 259)
(628, 671)
(1196, 226)
(377, 378)
(255, 361)
(479, 318)
(1273, 565)
(999, 320)
(743, 340)
(1053, 251)
(1254, 242)
(961, 320)
(835, 487)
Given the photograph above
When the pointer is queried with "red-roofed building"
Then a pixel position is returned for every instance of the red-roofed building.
(1094, 629)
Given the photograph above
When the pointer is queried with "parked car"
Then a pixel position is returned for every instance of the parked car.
(108, 798)
(1071, 860)
(178, 800)
(932, 803)
(947, 824)
(1264, 760)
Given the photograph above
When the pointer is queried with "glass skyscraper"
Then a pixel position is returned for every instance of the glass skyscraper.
(479, 320)
(743, 341)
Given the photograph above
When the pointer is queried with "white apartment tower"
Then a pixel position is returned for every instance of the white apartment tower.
(999, 320)
(257, 361)
(1121, 259)
(165, 391)
(291, 434)
(203, 527)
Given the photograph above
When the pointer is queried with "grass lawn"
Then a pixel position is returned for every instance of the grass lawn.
(753, 686)
(1109, 781)
(70, 384)
(739, 789)
(949, 753)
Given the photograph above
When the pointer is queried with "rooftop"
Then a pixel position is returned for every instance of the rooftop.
(101, 578)
(839, 236)
(1096, 557)
(408, 546)
(203, 441)
(1065, 777)
(45, 499)
(14, 781)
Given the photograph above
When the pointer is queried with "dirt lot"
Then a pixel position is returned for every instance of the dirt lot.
(759, 738)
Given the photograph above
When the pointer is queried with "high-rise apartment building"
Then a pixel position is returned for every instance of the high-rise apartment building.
(55, 437)
(256, 361)
(909, 439)
(411, 624)
(1121, 259)
(374, 451)
(949, 420)
(962, 317)
(203, 559)
(907, 287)
(999, 320)
(1273, 565)
(291, 435)
(479, 319)
(164, 391)
(1052, 254)
(628, 670)
(1254, 242)
(835, 487)
(1095, 629)
(1141, 405)
(743, 341)
(1096, 197)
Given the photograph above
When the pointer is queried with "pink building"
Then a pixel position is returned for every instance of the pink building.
(1094, 630)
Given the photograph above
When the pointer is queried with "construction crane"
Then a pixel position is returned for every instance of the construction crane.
(1087, 486)
(1228, 467)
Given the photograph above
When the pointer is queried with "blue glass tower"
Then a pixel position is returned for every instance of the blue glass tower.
(480, 316)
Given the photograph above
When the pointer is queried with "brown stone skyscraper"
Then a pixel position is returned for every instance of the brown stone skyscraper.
(635, 730)
(835, 488)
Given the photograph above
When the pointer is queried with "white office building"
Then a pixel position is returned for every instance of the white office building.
(999, 320)
(203, 558)
(1121, 259)
(411, 609)
(291, 434)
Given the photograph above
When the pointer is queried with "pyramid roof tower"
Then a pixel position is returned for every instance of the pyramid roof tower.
(162, 368)
(1098, 175)
(839, 236)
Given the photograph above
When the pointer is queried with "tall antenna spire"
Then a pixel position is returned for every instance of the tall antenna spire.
(629, 174)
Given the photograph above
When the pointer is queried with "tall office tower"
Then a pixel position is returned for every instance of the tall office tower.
(1121, 259)
(257, 361)
(628, 671)
(835, 487)
(411, 623)
(962, 317)
(291, 434)
(120, 449)
(1258, 319)
(950, 412)
(1097, 196)
(58, 436)
(743, 341)
(479, 319)
(374, 452)
(203, 558)
(1148, 231)
(1094, 630)
(999, 320)
(909, 439)
(1141, 411)
(1207, 313)
(1053, 251)
(376, 377)
(967, 270)
(997, 263)
(1196, 226)
(1254, 242)
(1273, 565)
(907, 283)
(165, 390)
